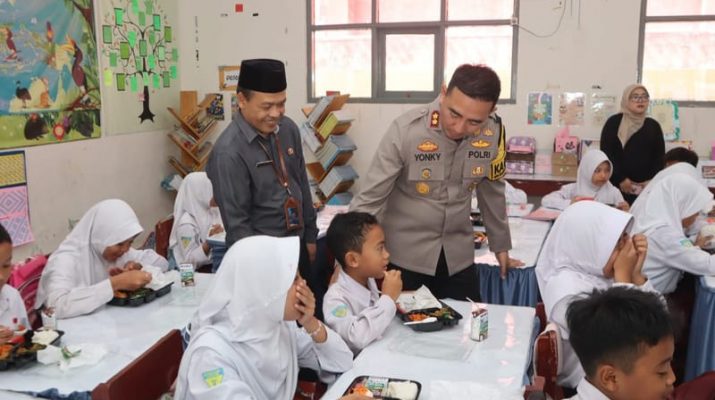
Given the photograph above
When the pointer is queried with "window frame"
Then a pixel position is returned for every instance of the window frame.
(641, 45)
(379, 30)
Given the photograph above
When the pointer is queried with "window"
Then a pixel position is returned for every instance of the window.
(677, 44)
(404, 50)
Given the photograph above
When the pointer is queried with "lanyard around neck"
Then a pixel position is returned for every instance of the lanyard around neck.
(281, 174)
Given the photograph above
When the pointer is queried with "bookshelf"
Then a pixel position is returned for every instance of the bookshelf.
(324, 134)
(191, 136)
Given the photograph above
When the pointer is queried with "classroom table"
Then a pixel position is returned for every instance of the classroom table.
(520, 287)
(127, 332)
(701, 343)
(449, 358)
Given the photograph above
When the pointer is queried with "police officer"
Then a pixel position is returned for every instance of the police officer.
(421, 181)
(257, 167)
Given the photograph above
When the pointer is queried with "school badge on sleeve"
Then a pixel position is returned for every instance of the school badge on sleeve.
(434, 119)
(340, 311)
(213, 377)
(422, 188)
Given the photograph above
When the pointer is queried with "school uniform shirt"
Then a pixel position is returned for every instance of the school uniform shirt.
(659, 217)
(586, 391)
(358, 314)
(243, 348)
(12, 308)
(192, 220)
(514, 195)
(571, 266)
(419, 186)
(249, 196)
(584, 187)
(76, 279)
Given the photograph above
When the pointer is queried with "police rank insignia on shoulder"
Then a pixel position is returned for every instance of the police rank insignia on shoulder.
(428, 146)
(479, 144)
(478, 171)
(434, 119)
(426, 173)
(422, 188)
(340, 311)
(213, 377)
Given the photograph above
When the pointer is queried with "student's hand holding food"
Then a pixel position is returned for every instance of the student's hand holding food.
(701, 241)
(130, 280)
(640, 243)
(132, 266)
(392, 284)
(216, 228)
(623, 206)
(5, 334)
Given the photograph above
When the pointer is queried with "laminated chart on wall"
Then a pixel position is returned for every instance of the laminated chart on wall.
(14, 208)
(667, 114)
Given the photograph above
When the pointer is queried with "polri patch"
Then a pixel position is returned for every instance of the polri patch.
(213, 377)
(434, 119)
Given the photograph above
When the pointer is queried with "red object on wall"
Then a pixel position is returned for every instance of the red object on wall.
(239, 7)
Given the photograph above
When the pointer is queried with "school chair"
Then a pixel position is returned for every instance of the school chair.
(147, 377)
(700, 388)
(163, 231)
(25, 278)
(547, 360)
(535, 391)
(541, 315)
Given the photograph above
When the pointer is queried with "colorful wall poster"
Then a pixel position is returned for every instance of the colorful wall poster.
(14, 208)
(49, 86)
(139, 53)
(540, 108)
(571, 109)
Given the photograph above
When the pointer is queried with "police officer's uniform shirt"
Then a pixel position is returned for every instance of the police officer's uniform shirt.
(12, 308)
(358, 314)
(246, 187)
(420, 183)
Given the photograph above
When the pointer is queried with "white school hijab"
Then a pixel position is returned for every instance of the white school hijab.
(670, 200)
(584, 184)
(677, 168)
(193, 198)
(576, 250)
(107, 223)
(246, 302)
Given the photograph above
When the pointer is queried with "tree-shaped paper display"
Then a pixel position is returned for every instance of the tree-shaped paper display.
(138, 44)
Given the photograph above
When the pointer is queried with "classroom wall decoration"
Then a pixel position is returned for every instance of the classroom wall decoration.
(139, 55)
(49, 88)
(540, 108)
(668, 116)
(14, 209)
(571, 109)
(602, 107)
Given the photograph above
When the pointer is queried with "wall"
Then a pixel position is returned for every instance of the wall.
(598, 47)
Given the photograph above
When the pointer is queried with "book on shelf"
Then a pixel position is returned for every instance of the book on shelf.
(203, 150)
(337, 150)
(182, 137)
(340, 199)
(307, 135)
(318, 110)
(338, 179)
(336, 123)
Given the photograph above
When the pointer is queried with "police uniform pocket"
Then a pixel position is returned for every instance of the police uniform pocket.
(427, 178)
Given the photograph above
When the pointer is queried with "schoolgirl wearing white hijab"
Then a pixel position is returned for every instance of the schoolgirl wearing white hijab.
(193, 221)
(77, 277)
(588, 248)
(671, 206)
(592, 183)
(246, 342)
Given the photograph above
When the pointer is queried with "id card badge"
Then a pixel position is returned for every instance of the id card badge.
(293, 214)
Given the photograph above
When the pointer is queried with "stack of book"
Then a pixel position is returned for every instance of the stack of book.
(338, 179)
(336, 123)
(337, 150)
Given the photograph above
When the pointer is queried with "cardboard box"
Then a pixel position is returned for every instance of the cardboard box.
(564, 170)
(567, 159)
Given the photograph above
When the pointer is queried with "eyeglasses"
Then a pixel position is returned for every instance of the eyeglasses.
(639, 99)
